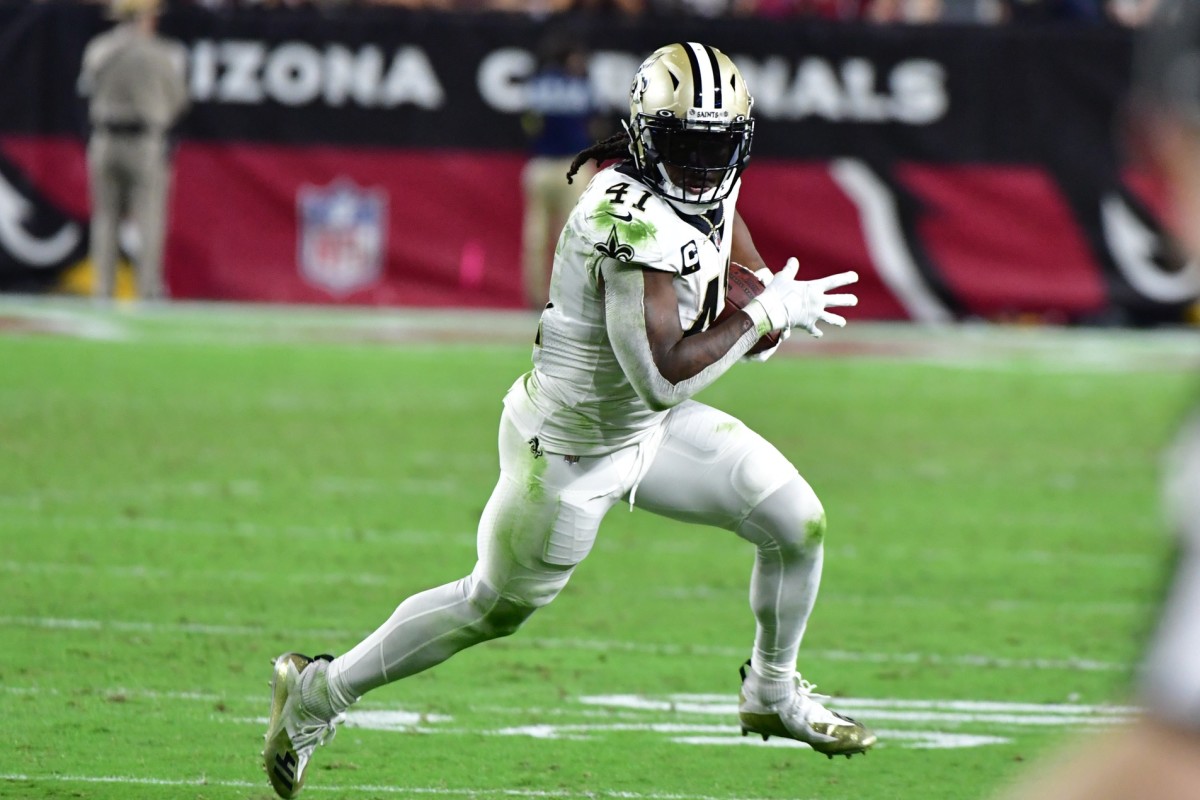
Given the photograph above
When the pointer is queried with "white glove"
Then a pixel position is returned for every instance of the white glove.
(766, 276)
(765, 354)
(788, 303)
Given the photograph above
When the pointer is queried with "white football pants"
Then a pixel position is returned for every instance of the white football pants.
(702, 465)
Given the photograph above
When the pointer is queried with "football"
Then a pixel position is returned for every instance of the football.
(742, 287)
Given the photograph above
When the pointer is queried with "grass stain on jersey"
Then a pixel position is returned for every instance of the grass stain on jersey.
(535, 488)
(814, 530)
(631, 230)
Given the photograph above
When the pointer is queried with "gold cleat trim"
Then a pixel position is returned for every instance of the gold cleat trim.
(279, 758)
(844, 743)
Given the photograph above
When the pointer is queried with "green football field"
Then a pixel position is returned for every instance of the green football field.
(187, 492)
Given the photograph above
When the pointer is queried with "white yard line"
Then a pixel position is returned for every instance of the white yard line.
(130, 626)
(631, 705)
(240, 325)
(143, 571)
(831, 655)
(689, 719)
(105, 521)
(590, 645)
(588, 794)
(232, 487)
(101, 522)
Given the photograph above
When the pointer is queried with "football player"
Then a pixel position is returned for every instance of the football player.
(606, 417)
(1157, 757)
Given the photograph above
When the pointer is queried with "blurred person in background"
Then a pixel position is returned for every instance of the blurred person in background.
(1131, 13)
(815, 9)
(134, 82)
(904, 11)
(561, 121)
(605, 417)
(1157, 756)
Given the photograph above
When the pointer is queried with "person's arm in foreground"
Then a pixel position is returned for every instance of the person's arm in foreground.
(1157, 757)
(1147, 760)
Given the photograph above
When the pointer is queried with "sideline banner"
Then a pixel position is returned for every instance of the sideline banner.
(374, 157)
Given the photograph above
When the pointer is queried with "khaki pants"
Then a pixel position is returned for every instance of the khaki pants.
(548, 202)
(128, 175)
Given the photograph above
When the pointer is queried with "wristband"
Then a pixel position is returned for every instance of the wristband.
(768, 313)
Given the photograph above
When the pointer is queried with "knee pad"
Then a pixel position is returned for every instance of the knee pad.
(761, 471)
(791, 517)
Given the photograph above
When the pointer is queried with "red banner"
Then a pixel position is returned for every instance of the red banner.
(375, 158)
(435, 228)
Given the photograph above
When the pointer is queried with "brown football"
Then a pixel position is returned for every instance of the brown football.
(742, 287)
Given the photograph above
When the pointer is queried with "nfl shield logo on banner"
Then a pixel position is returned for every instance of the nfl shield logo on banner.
(343, 233)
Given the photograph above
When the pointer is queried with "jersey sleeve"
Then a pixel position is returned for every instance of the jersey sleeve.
(621, 219)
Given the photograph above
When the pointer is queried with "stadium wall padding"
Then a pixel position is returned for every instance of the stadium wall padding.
(374, 157)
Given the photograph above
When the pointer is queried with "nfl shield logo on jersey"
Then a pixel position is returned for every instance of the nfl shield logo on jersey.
(343, 235)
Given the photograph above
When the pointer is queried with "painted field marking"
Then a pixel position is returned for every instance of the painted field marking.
(722, 704)
(631, 706)
(704, 735)
(142, 571)
(37, 502)
(235, 487)
(243, 528)
(692, 720)
(588, 645)
(1070, 664)
(1145, 562)
(139, 572)
(367, 707)
(129, 626)
(991, 716)
(961, 345)
(587, 794)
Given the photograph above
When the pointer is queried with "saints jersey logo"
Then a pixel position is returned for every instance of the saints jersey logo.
(614, 248)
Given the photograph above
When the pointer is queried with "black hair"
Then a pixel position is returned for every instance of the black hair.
(614, 147)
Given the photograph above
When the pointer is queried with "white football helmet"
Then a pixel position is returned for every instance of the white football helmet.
(689, 123)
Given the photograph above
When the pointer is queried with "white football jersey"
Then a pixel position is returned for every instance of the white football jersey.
(577, 400)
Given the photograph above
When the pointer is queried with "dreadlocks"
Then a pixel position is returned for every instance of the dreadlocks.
(614, 147)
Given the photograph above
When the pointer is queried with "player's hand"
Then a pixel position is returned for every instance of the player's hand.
(765, 354)
(789, 303)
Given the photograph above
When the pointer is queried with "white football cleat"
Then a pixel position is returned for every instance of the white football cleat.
(293, 733)
(802, 717)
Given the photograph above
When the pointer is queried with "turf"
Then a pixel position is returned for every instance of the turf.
(185, 493)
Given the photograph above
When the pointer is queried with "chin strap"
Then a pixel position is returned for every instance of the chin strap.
(690, 209)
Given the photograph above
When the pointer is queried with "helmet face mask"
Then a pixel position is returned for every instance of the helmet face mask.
(690, 123)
